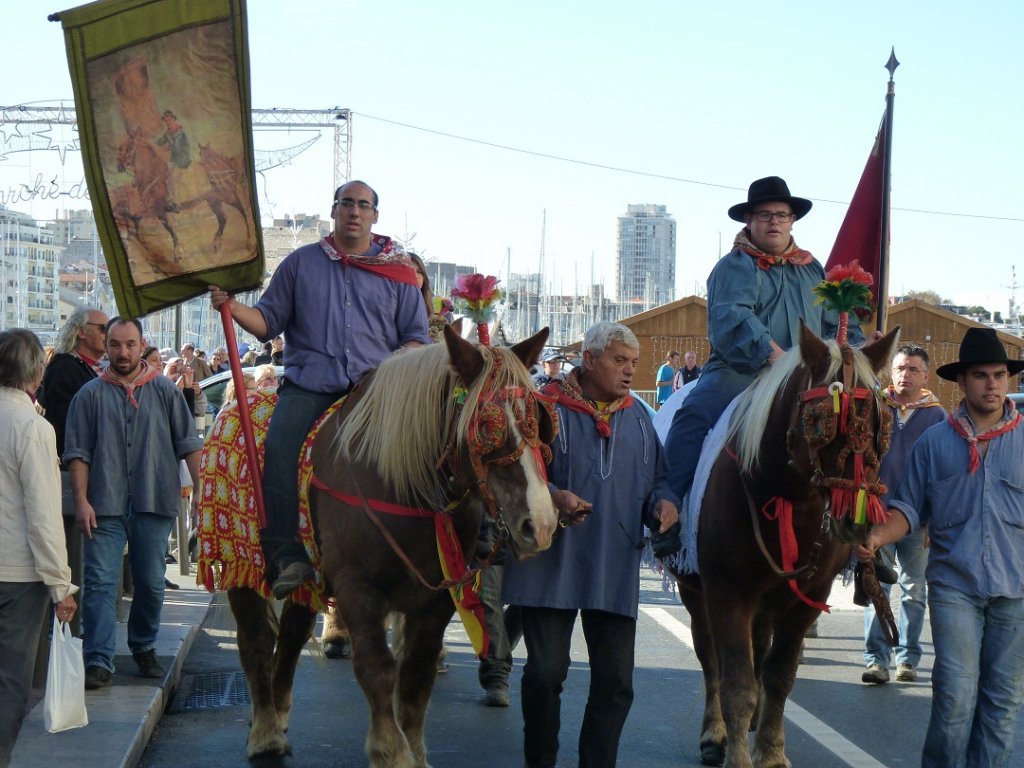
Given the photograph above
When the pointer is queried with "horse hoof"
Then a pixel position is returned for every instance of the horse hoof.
(712, 754)
(338, 649)
(272, 761)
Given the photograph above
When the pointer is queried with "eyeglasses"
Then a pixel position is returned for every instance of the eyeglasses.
(782, 216)
(101, 326)
(362, 205)
(906, 369)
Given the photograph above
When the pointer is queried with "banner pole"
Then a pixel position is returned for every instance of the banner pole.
(243, 412)
(883, 259)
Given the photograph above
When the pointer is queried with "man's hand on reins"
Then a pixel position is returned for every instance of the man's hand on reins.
(572, 510)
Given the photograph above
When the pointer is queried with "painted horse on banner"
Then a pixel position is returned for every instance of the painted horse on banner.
(794, 486)
(405, 469)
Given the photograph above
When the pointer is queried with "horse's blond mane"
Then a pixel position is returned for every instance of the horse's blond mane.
(403, 421)
(746, 429)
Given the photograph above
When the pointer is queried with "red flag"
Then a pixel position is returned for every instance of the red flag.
(860, 236)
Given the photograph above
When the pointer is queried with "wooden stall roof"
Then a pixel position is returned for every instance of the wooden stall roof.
(682, 325)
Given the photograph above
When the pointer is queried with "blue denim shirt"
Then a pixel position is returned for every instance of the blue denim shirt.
(132, 453)
(339, 321)
(748, 307)
(976, 522)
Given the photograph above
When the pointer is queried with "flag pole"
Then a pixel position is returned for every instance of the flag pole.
(243, 412)
(883, 256)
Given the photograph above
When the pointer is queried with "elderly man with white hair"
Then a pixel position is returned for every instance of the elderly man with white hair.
(608, 480)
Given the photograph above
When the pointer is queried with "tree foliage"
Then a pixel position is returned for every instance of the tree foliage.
(930, 297)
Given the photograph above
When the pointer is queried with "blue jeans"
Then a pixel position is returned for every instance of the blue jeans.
(146, 536)
(912, 558)
(978, 679)
(714, 390)
(296, 412)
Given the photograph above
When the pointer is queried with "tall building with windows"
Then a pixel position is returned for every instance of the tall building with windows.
(29, 266)
(646, 262)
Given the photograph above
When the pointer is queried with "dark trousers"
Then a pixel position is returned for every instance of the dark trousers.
(610, 645)
(296, 412)
(503, 627)
(23, 609)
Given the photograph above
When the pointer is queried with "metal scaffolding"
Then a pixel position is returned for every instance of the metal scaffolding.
(25, 117)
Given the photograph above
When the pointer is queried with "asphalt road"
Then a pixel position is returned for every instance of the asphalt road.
(832, 719)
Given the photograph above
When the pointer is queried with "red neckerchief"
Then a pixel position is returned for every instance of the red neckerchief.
(792, 254)
(963, 427)
(146, 374)
(570, 394)
(390, 263)
(94, 364)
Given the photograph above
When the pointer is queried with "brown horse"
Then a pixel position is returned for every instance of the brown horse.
(768, 549)
(448, 429)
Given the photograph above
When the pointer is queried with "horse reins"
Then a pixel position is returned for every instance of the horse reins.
(858, 496)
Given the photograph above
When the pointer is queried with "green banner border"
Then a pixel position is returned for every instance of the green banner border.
(100, 28)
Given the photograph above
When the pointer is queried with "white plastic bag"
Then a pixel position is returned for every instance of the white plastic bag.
(64, 702)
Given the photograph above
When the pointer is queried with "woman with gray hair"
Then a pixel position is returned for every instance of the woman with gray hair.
(33, 560)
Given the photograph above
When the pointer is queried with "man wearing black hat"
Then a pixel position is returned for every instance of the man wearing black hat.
(757, 294)
(964, 480)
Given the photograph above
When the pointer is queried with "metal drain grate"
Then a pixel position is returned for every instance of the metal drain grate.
(210, 690)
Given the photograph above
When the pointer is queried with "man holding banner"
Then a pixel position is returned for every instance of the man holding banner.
(345, 304)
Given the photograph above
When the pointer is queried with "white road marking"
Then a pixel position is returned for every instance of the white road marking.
(831, 740)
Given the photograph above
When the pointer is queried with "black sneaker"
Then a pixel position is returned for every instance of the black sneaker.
(96, 677)
(148, 664)
(291, 577)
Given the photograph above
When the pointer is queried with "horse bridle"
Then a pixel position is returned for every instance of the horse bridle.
(824, 412)
(488, 430)
(482, 440)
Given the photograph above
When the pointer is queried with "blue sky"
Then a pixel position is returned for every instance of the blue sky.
(715, 93)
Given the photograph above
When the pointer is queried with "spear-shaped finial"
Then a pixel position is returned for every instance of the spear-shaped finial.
(892, 63)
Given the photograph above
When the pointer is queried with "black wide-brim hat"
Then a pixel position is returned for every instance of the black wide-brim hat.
(770, 190)
(980, 346)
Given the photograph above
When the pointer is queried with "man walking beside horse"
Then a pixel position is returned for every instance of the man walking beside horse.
(914, 409)
(965, 481)
(345, 304)
(607, 479)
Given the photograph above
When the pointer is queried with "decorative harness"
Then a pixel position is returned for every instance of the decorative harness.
(487, 432)
(823, 413)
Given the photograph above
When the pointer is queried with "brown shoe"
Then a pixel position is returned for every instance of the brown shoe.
(905, 673)
(875, 674)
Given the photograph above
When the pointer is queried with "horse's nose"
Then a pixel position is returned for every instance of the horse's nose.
(539, 528)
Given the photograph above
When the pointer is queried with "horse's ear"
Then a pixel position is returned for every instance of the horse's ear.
(465, 358)
(529, 350)
(813, 351)
(457, 326)
(879, 352)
